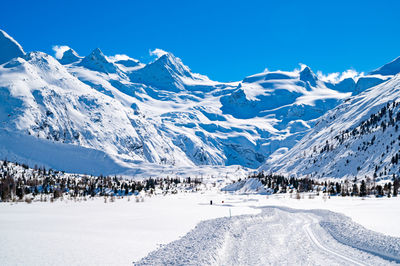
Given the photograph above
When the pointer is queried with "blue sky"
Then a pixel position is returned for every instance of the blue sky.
(226, 40)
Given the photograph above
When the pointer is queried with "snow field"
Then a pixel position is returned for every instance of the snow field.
(96, 233)
(119, 233)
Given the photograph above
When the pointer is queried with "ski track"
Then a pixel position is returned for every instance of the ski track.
(277, 236)
(317, 243)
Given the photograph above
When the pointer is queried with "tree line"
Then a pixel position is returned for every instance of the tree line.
(19, 182)
(355, 187)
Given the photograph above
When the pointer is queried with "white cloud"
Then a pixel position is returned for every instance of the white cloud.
(337, 76)
(331, 77)
(119, 57)
(60, 49)
(158, 52)
(351, 74)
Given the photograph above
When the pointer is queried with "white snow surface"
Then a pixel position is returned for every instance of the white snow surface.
(96, 233)
(279, 236)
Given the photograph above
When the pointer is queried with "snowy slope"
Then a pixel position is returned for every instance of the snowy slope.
(246, 186)
(41, 98)
(360, 137)
(159, 115)
(291, 101)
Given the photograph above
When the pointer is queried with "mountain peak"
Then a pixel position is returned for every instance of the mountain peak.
(9, 48)
(97, 52)
(97, 61)
(172, 63)
(307, 75)
(166, 72)
(391, 68)
(97, 55)
(69, 56)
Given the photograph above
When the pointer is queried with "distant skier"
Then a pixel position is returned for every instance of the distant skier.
(210, 202)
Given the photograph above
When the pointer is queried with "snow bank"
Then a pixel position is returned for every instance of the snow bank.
(199, 247)
(203, 245)
(344, 230)
(212, 242)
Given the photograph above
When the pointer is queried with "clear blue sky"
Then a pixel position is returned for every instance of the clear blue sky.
(226, 40)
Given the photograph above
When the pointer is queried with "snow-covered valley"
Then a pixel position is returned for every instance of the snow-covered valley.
(92, 232)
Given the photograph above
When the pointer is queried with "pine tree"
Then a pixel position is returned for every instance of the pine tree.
(338, 188)
(379, 190)
(355, 190)
(363, 189)
(396, 185)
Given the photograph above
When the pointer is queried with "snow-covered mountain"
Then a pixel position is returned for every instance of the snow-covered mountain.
(97, 61)
(69, 56)
(360, 137)
(100, 114)
(169, 73)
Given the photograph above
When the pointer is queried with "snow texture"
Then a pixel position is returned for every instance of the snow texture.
(344, 230)
(278, 236)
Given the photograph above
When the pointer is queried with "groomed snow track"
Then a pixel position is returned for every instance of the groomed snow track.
(279, 236)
